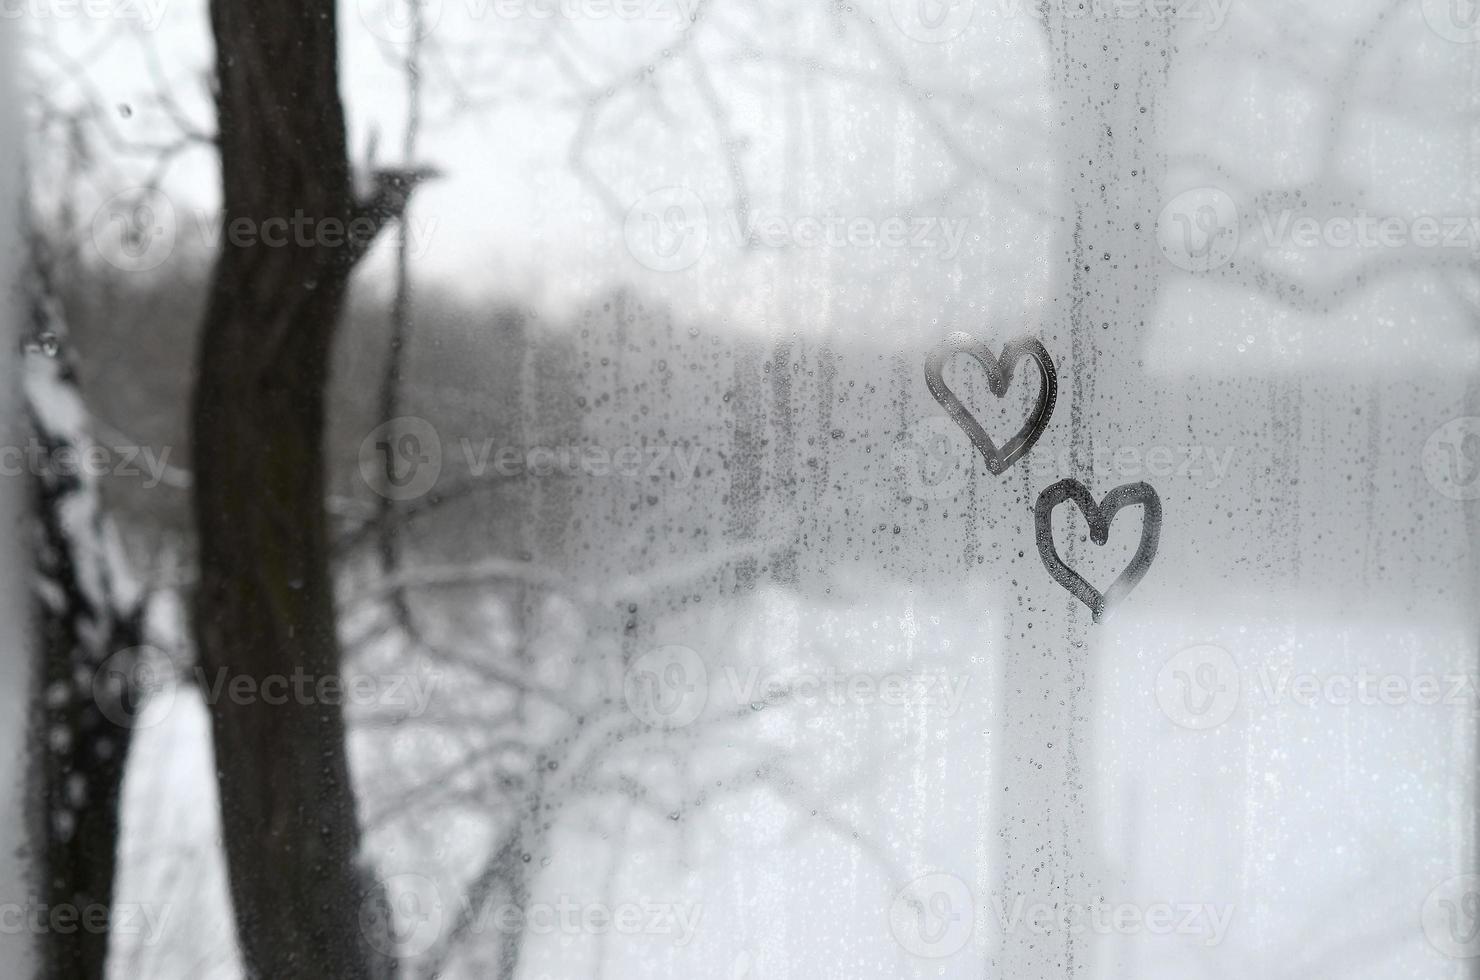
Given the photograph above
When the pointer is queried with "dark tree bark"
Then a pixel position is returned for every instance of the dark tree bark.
(82, 768)
(90, 628)
(264, 603)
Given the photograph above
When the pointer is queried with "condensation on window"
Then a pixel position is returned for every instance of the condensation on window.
(910, 488)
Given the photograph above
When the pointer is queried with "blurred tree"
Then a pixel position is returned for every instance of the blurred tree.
(90, 619)
(264, 606)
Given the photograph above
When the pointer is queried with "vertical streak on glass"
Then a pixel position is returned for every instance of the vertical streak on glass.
(17, 955)
(1109, 76)
(1470, 847)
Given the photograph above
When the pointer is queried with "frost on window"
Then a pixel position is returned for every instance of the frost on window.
(747, 489)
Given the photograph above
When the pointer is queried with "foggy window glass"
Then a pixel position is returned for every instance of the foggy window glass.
(742, 488)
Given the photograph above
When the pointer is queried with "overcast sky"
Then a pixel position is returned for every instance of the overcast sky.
(893, 174)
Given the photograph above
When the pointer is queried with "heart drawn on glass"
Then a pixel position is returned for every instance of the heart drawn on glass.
(1099, 517)
(999, 376)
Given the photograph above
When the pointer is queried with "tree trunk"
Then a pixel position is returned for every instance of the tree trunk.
(264, 604)
(90, 623)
